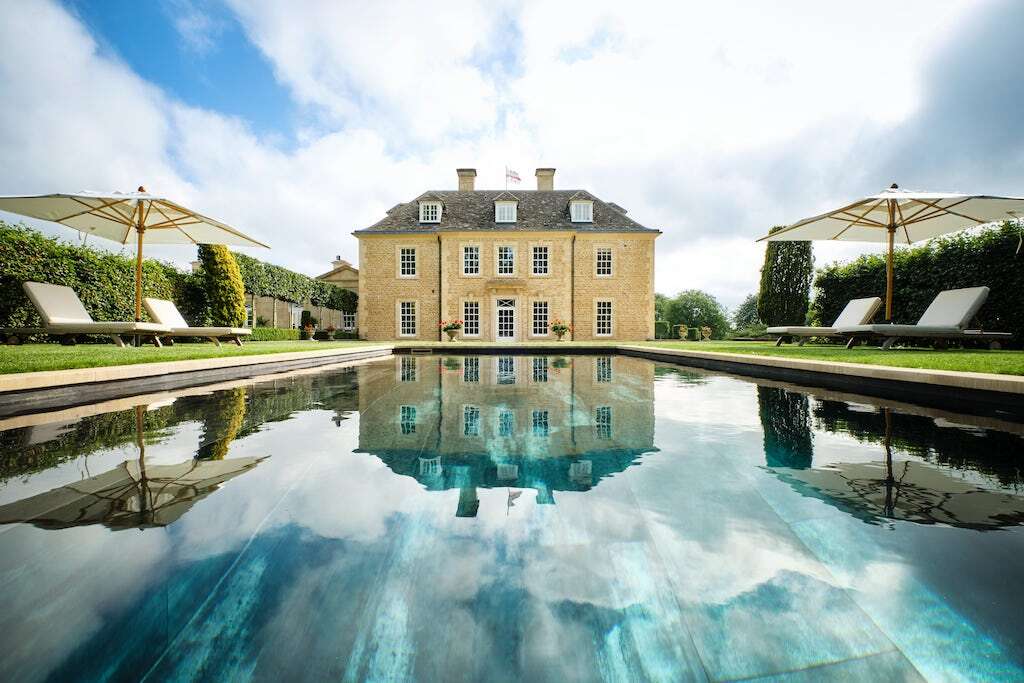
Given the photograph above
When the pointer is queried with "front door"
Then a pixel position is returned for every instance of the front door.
(506, 323)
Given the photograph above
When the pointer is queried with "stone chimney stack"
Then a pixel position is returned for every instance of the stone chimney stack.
(467, 179)
(338, 262)
(545, 179)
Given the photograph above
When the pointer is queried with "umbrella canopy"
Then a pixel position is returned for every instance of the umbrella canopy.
(129, 217)
(898, 216)
(130, 496)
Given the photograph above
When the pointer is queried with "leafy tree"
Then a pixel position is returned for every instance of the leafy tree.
(785, 282)
(224, 290)
(695, 308)
(745, 316)
(660, 304)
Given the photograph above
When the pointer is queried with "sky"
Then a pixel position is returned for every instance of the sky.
(301, 122)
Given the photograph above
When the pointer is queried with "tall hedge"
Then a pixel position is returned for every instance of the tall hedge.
(104, 281)
(264, 279)
(987, 258)
(225, 294)
(786, 277)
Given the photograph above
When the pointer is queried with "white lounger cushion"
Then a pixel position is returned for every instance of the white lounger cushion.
(166, 313)
(856, 312)
(103, 327)
(954, 307)
(901, 330)
(62, 311)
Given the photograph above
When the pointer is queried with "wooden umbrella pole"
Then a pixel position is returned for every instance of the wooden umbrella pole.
(138, 275)
(888, 259)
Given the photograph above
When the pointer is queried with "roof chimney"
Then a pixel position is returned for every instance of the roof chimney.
(467, 179)
(545, 179)
(338, 262)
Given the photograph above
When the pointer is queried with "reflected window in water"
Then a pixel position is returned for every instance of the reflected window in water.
(540, 369)
(540, 423)
(603, 422)
(505, 369)
(506, 423)
(407, 372)
(471, 421)
(407, 419)
(507, 472)
(471, 370)
(430, 467)
(603, 369)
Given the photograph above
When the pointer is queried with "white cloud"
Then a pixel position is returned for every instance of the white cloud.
(711, 123)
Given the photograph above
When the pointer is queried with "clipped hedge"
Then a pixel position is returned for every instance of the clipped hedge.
(987, 258)
(662, 329)
(104, 281)
(273, 334)
(264, 279)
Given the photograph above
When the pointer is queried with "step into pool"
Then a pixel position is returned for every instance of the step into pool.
(502, 518)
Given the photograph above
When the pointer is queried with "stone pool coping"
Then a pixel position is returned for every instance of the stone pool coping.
(29, 391)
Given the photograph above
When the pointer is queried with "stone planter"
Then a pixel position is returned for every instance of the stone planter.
(451, 334)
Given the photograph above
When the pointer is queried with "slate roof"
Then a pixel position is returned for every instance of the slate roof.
(537, 210)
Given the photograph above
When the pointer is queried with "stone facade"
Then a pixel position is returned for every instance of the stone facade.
(572, 288)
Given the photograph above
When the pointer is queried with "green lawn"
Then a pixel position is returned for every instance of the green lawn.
(34, 357)
(974, 360)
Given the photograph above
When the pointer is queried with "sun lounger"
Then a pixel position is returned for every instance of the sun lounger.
(166, 313)
(64, 316)
(946, 318)
(857, 312)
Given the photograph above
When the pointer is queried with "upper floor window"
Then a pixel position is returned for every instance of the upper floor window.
(540, 260)
(603, 261)
(430, 212)
(505, 212)
(506, 260)
(581, 211)
(407, 261)
(471, 260)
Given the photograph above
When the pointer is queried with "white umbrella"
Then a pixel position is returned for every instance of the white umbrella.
(128, 217)
(898, 216)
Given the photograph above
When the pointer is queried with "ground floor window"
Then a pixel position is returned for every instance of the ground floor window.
(295, 313)
(407, 419)
(603, 320)
(505, 370)
(603, 369)
(407, 319)
(348, 321)
(603, 422)
(540, 369)
(248, 315)
(540, 318)
(471, 319)
(506, 423)
(471, 421)
(408, 369)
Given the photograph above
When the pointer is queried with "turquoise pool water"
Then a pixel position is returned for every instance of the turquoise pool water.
(510, 518)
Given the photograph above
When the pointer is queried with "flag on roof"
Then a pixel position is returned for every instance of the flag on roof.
(512, 175)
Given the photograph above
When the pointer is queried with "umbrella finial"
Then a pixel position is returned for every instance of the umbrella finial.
(894, 186)
(141, 189)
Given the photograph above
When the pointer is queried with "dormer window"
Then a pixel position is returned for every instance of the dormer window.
(581, 211)
(430, 212)
(505, 212)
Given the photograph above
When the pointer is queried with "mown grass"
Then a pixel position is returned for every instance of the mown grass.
(36, 357)
(962, 360)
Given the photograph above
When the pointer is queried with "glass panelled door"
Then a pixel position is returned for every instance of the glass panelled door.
(506, 322)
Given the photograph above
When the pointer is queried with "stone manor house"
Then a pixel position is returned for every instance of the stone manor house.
(508, 263)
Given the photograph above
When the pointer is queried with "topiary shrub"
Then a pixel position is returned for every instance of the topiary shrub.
(785, 283)
(225, 293)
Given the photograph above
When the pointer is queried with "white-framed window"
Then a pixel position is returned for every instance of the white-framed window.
(430, 212)
(248, 315)
(407, 319)
(541, 426)
(540, 369)
(603, 261)
(471, 260)
(470, 421)
(407, 419)
(581, 211)
(471, 370)
(506, 423)
(407, 369)
(603, 422)
(540, 318)
(295, 314)
(407, 261)
(540, 260)
(603, 369)
(603, 319)
(430, 467)
(505, 212)
(348, 321)
(471, 319)
(506, 260)
(505, 370)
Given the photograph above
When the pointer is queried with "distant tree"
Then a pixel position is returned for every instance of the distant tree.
(695, 308)
(785, 283)
(660, 303)
(745, 316)
(225, 294)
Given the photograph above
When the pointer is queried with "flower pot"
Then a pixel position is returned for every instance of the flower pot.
(560, 335)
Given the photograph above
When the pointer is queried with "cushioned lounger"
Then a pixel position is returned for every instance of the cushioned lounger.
(945, 318)
(857, 312)
(166, 313)
(64, 315)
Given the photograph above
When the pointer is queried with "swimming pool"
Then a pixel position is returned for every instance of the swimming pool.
(510, 518)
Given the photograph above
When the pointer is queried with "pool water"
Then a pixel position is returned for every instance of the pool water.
(444, 518)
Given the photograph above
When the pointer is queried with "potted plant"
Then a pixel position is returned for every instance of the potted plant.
(560, 327)
(308, 325)
(450, 327)
(705, 333)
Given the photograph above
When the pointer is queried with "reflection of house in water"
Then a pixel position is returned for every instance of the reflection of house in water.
(543, 422)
